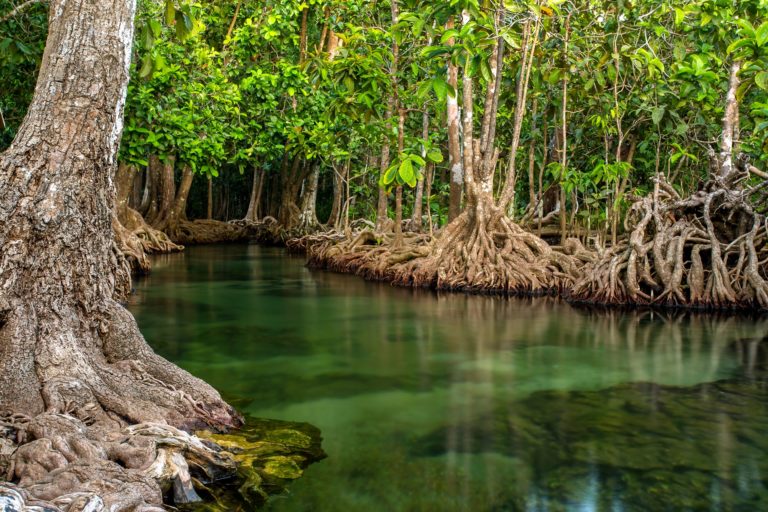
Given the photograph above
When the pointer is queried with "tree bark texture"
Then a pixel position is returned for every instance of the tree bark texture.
(68, 348)
(454, 142)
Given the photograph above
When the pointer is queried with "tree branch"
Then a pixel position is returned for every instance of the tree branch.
(16, 10)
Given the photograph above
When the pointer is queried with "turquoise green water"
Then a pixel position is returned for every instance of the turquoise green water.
(450, 402)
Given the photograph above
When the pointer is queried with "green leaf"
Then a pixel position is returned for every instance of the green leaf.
(740, 43)
(435, 156)
(761, 79)
(389, 176)
(146, 67)
(679, 16)
(406, 172)
(448, 34)
(424, 88)
(170, 12)
(658, 114)
(155, 27)
(440, 87)
(417, 160)
(761, 34)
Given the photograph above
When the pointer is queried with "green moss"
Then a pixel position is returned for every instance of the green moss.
(282, 467)
(270, 454)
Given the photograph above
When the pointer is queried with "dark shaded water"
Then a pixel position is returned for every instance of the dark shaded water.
(443, 403)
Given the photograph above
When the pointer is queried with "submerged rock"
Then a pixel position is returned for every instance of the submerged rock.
(638, 446)
(270, 455)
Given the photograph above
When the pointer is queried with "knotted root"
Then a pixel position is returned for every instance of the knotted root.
(200, 232)
(63, 463)
(490, 253)
(482, 251)
(267, 231)
(136, 239)
(704, 251)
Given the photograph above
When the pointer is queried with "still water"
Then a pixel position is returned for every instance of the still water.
(462, 403)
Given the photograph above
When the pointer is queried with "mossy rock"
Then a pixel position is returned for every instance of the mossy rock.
(270, 455)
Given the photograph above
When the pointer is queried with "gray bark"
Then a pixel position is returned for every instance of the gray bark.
(67, 346)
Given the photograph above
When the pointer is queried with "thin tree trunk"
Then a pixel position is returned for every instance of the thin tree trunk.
(324, 33)
(564, 153)
(532, 158)
(430, 178)
(209, 212)
(730, 122)
(392, 105)
(303, 36)
(233, 22)
(338, 193)
(454, 142)
(291, 187)
(418, 211)
(398, 241)
(530, 40)
(253, 205)
(154, 171)
(308, 218)
(146, 194)
(169, 224)
(167, 192)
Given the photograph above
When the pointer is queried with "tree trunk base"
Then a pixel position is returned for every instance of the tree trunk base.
(98, 420)
(706, 251)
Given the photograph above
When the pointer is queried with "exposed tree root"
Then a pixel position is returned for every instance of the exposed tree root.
(267, 231)
(477, 254)
(302, 244)
(103, 431)
(107, 431)
(201, 232)
(137, 239)
(705, 251)
(489, 253)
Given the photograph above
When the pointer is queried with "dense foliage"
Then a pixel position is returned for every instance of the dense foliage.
(283, 87)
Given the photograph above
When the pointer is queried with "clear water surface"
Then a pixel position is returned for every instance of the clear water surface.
(462, 403)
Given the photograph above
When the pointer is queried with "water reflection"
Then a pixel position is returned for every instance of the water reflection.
(451, 402)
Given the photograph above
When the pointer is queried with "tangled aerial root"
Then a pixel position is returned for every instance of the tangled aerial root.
(137, 239)
(705, 251)
(64, 464)
(200, 232)
(489, 254)
(267, 231)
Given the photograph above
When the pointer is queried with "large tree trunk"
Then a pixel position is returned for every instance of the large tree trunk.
(67, 346)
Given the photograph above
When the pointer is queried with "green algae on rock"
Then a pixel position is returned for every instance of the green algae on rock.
(270, 454)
